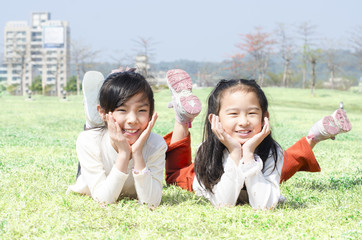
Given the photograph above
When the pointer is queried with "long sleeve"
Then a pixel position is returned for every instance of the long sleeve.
(149, 181)
(102, 187)
(262, 185)
(227, 190)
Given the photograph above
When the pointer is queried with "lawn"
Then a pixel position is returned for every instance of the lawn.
(38, 161)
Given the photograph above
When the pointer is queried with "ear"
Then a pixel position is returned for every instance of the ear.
(101, 112)
(210, 117)
(267, 115)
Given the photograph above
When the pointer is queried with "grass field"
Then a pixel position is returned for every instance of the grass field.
(38, 161)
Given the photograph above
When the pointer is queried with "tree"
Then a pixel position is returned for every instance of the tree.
(287, 51)
(36, 85)
(82, 55)
(235, 65)
(145, 53)
(71, 84)
(331, 58)
(313, 57)
(121, 59)
(306, 30)
(259, 45)
(19, 57)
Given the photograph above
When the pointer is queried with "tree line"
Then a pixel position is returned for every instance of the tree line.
(287, 57)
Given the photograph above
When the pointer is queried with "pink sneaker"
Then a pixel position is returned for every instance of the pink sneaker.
(340, 118)
(186, 105)
(330, 126)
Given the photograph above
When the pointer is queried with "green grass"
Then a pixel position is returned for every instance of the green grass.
(38, 161)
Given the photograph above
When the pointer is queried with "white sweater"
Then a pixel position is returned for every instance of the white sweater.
(262, 185)
(101, 180)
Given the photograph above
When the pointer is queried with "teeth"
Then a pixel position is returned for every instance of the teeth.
(130, 131)
(243, 131)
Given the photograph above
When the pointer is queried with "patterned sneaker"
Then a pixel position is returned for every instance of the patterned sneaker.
(330, 126)
(186, 105)
(92, 83)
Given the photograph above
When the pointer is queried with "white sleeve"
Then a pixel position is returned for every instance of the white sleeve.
(263, 187)
(227, 190)
(103, 188)
(148, 182)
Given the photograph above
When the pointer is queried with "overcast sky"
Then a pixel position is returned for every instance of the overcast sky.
(202, 30)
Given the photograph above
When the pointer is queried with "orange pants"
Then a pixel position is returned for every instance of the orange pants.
(180, 169)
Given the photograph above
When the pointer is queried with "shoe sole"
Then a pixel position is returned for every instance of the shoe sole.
(330, 126)
(92, 83)
(179, 82)
(342, 120)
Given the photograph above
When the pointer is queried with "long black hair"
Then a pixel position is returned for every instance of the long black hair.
(208, 160)
(121, 86)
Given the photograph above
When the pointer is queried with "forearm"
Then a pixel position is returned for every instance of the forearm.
(122, 162)
(227, 190)
(139, 162)
(148, 187)
(107, 189)
(263, 193)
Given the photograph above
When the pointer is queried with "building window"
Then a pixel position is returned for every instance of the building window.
(37, 66)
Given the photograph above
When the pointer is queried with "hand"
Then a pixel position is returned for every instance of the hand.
(139, 162)
(140, 142)
(230, 143)
(250, 145)
(119, 142)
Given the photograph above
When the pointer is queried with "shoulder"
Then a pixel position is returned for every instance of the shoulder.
(270, 163)
(90, 138)
(155, 141)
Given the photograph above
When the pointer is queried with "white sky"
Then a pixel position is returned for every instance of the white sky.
(202, 30)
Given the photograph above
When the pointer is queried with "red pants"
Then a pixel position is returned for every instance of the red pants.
(180, 169)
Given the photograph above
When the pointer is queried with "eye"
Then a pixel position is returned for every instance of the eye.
(121, 110)
(143, 110)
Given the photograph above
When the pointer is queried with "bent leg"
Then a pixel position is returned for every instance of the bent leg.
(299, 157)
(179, 167)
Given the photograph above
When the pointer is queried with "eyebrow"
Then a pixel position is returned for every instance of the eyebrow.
(139, 104)
(248, 109)
(144, 105)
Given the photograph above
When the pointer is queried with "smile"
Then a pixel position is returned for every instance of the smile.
(244, 131)
(131, 131)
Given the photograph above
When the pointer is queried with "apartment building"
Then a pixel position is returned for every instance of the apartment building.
(39, 49)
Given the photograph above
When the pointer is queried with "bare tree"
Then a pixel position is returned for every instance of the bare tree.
(82, 55)
(333, 63)
(121, 59)
(145, 53)
(314, 56)
(259, 45)
(20, 57)
(206, 74)
(306, 30)
(287, 49)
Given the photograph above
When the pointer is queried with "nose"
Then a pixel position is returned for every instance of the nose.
(131, 118)
(243, 120)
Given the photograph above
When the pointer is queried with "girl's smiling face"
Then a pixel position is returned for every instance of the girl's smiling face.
(240, 114)
(133, 117)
